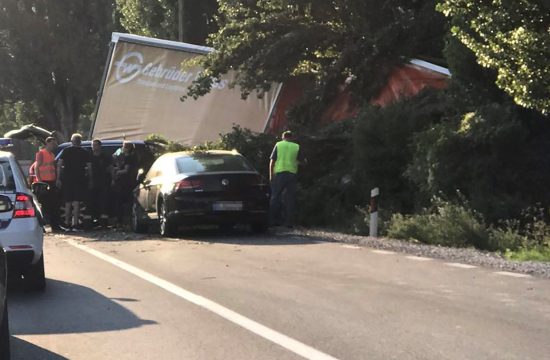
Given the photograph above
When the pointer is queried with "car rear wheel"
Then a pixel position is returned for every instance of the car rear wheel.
(34, 276)
(5, 336)
(167, 227)
(138, 225)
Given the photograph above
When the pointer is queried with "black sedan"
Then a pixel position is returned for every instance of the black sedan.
(201, 187)
(4, 328)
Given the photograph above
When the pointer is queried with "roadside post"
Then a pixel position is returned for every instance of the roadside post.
(374, 212)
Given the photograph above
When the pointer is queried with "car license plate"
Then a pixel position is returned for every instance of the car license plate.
(228, 206)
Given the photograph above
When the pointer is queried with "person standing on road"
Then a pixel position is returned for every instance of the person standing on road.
(101, 184)
(74, 176)
(283, 168)
(45, 171)
(124, 180)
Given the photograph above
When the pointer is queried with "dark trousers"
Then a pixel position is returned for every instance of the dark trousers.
(283, 192)
(99, 201)
(123, 200)
(49, 199)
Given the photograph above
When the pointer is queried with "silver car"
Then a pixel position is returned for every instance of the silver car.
(21, 228)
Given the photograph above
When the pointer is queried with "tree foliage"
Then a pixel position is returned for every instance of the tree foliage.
(330, 41)
(511, 37)
(495, 156)
(51, 55)
(159, 18)
(15, 115)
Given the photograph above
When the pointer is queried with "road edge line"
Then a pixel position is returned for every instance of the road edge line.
(263, 331)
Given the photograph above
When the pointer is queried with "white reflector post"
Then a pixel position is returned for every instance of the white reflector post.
(374, 212)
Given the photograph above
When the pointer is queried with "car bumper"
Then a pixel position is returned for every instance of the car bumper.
(200, 210)
(226, 217)
(23, 241)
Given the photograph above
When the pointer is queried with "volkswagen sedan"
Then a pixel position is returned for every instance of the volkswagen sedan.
(201, 187)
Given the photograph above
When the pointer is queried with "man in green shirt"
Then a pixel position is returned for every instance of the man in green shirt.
(283, 168)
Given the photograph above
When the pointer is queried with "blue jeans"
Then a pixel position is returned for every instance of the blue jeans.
(283, 187)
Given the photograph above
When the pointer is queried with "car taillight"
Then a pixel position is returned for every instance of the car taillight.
(24, 207)
(188, 184)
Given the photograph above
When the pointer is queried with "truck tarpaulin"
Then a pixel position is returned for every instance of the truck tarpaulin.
(142, 88)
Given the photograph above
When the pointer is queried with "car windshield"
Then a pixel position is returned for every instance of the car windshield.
(7, 182)
(201, 163)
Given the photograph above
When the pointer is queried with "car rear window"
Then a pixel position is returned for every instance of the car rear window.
(201, 163)
(7, 182)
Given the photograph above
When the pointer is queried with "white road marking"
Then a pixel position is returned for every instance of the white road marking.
(462, 266)
(418, 258)
(351, 247)
(517, 275)
(383, 252)
(278, 338)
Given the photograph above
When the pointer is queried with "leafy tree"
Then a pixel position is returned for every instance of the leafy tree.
(495, 156)
(511, 37)
(330, 41)
(15, 115)
(51, 55)
(159, 18)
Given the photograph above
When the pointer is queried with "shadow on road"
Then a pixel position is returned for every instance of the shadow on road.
(238, 236)
(66, 308)
(23, 350)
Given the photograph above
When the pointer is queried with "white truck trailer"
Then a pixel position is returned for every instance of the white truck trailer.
(141, 92)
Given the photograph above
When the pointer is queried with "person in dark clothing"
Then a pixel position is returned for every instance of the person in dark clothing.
(45, 171)
(101, 184)
(74, 178)
(124, 180)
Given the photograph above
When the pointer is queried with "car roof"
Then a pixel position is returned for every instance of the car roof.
(103, 143)
(6, 154)
(194, 152)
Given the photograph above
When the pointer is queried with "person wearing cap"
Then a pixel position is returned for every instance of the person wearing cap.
(45, 172)
(74, 178)
(283, 168)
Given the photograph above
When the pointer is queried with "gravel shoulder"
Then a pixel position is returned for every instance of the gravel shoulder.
(469, 256)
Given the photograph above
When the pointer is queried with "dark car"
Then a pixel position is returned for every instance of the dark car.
(206, 187)
(4, 328)
(146, 153)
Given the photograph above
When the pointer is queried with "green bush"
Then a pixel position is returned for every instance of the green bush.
(256, 147)
(507, 237)
(445, 223)
(496, 156)
(382, 148)
(456, 224)
(529, 254)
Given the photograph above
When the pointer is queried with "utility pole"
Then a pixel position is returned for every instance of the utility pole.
(180, 20)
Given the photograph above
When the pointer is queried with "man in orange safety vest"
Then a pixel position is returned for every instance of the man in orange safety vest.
(45, 171)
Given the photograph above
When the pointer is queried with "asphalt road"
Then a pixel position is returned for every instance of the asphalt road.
(209, 296)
